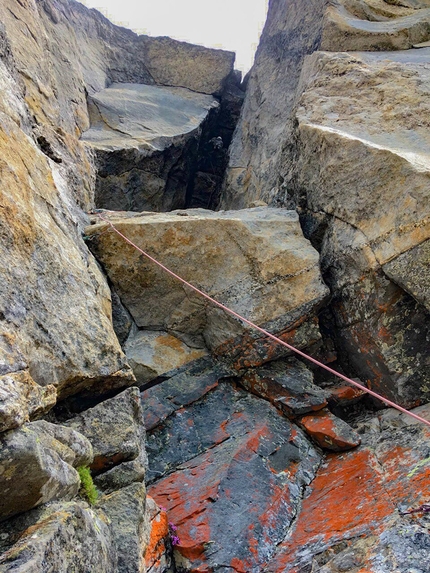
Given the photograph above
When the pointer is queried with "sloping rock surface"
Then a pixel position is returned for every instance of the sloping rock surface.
(236, 469)
(351, 518)
(146, 116)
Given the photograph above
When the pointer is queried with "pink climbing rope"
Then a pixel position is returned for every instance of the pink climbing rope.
(265, 332)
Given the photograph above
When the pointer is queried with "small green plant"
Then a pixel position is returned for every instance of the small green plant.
(88, 489)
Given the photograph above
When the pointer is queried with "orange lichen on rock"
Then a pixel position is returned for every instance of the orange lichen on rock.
(329, 432)
(156, 548)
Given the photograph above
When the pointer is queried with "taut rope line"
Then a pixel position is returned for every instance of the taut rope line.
(265, 332)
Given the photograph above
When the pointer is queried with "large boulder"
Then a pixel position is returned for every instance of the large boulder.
(271, 276)
(37, 464)
(146, 140)
(174, 63)
(358, 151)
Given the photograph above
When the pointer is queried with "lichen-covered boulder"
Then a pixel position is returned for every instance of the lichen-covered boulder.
(60, 538)
(21, 399)
(129, 525)
(230, 470)
(37, 464)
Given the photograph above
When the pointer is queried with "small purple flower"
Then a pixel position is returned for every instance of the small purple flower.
(172, 526)
(175, 540)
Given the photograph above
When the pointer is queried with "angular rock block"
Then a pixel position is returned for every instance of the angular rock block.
(21, 399)
(145, 139)
(230, 472)
(188, 385)
(174, 63)
(270, 275)
(50, 540)
(411, 271)
(329, 432)
(288, 386)
(153, 354)
(126, 510)
(37, 465)
(116, 431)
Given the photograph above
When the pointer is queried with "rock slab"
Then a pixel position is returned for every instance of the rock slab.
(271, 276)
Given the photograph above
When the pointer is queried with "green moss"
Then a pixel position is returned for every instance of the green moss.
(88, 489)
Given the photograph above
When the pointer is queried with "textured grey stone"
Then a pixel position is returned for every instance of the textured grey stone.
(411, 271)
(21, 399)
(114, 428)
(36, 466)
(292, 30)
(126, 510)
(59, 539)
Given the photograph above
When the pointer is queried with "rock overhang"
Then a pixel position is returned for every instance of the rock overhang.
(127, 115)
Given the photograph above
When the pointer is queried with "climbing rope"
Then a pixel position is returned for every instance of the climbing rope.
(263, 331)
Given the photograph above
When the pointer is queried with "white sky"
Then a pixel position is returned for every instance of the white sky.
(230, 24)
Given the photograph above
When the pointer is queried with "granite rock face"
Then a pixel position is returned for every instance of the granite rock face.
(55, 303)
(291, 31)
(360, 238)
(270, 275)
(352, 141)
